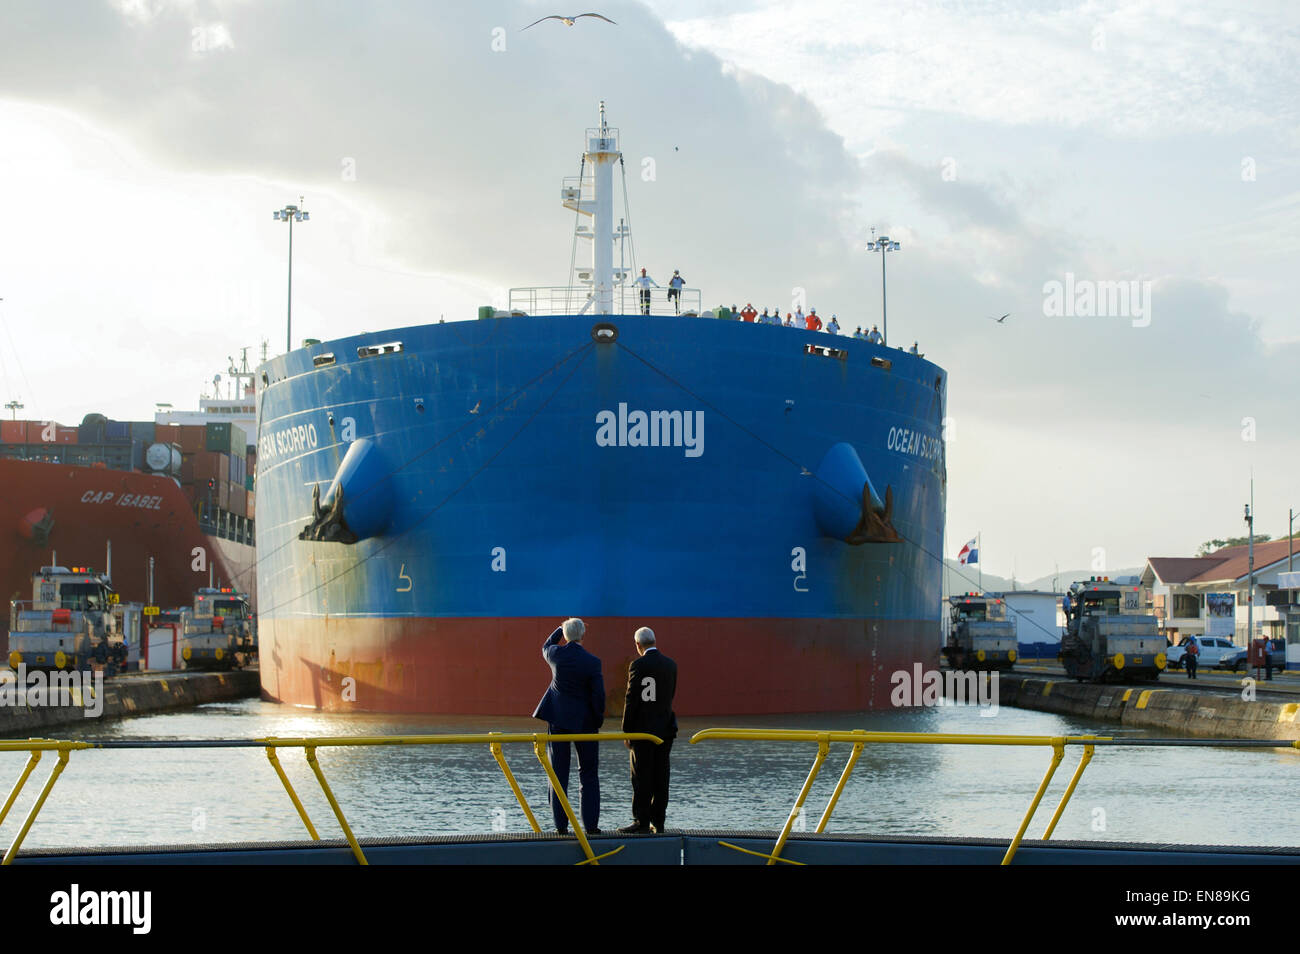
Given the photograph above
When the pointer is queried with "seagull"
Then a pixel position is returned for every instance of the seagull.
(474, 409)
(570, 21)
(999, 320)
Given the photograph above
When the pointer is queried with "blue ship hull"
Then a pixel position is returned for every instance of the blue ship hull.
(502, 475)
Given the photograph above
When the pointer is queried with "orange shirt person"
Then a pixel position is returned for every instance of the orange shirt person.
(749, 312)
(812, 322)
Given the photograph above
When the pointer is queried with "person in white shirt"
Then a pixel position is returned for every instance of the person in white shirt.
(834, 326)
(874, 336)
(644, 283)
(675, 285)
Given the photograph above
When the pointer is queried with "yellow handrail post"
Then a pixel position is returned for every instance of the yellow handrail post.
(338, 812)
(1058, 753)
(36, 808)
(293, 796)
(1069, 790)
(539, 749)
(34, 757)
(839, 787)
(499, 755)
(823, 749)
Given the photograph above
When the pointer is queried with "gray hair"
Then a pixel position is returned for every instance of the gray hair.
(574, 629)
(645, 636)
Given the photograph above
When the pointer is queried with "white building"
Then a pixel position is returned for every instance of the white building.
(1178, 587)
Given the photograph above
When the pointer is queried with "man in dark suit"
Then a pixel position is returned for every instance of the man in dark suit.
(574, 703)
(651, 684)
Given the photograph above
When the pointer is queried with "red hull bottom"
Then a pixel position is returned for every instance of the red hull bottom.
(495, 666)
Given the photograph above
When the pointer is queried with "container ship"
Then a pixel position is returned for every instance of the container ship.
(163, 507)
(435, 499)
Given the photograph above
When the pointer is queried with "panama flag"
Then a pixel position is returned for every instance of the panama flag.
(968, 554)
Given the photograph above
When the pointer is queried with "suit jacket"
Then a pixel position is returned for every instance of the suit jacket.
(575, 700)
(651, 685)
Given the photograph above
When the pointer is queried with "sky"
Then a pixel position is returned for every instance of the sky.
(1021, 152)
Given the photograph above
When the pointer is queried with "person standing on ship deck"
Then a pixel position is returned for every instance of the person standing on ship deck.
(651, 685)
(644, 283)
(675, 285)
(574, 703)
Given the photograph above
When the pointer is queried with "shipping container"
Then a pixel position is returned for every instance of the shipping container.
(187, 469)
(217, 436)
(210, 465)
(167, 434)
(117, 432)
(248, 483)
(91, 430)
(13, 432)
(144, 431)
(192, 438)
(252, 507)
(238, 500)
(42, 432)
(66, 435)
(223, 495)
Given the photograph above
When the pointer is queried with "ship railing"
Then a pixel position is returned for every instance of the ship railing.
(544, 300)
(859, 739)
(493, 740)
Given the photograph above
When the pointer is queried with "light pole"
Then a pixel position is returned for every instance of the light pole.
(883, 245)
(14, 407)
(290, 214)
(1250, 566)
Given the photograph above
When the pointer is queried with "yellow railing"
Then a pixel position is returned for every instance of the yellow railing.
(857, 738)
(494, 741)
(860, 738)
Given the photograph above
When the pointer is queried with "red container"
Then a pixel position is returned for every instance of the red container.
(192, 438)
(65, 435)
(187, 469)
(223, 494)
(238, 500)
(210, 465)
(13, 432)
(167, 434)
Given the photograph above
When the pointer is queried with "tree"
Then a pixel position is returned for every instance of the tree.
(1209, 546)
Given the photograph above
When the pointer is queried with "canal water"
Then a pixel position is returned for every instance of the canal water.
(1212, 795)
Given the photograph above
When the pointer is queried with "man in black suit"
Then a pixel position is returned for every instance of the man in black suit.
(574, 703)
(651, 684)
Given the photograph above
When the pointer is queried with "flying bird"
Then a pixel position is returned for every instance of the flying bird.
(999, 320)
(474, 409)
(570, 21)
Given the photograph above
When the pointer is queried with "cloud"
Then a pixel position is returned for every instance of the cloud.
(1145, 68)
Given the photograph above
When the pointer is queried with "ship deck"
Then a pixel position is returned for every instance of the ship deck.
(675, 848)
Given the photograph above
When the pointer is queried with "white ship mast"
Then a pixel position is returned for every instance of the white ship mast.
(601, 153)
(602, 288)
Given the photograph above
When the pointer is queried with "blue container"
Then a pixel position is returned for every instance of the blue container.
(116, 432)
